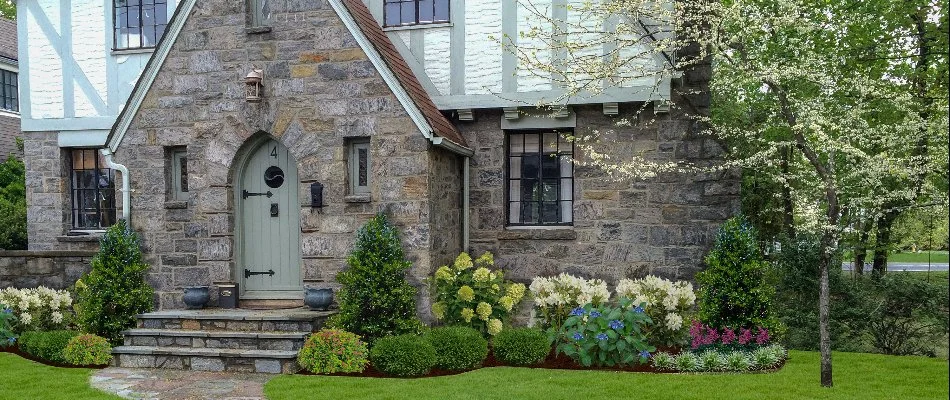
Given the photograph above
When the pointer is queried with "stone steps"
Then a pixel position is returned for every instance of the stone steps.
(234, 340)
(215, 339)
(204, 359)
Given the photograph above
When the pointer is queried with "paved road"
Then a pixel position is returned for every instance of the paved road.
(905, 267)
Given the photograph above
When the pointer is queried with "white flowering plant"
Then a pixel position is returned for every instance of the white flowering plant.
(39, 309)
(555, 297)
(471, 293)
(669, 304)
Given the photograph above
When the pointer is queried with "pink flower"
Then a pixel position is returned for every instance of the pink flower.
(711, 336)
(762, 337)
(745, 337)
(728, 336)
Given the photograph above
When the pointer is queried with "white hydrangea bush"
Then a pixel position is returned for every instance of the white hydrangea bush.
(555, 297)
(39, 309)
(669, 304)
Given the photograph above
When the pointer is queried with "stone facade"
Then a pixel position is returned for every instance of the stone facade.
(621, 228)
(53, 269)
(320, 91)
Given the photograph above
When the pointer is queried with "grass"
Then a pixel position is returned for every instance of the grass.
(24, 379)
(941, 257)
(857, 376)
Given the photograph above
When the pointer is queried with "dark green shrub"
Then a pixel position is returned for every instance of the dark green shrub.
(87, 349)
(521, 346)
(331, 351)
(12, 202)
(114, 292)
(733, 291)
(909, 314)
(403, 355)
(796, 298)
(47, 345)
(376, 300)
(457, 347)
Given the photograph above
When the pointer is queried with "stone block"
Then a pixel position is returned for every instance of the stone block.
(207, 364)
(267, 366)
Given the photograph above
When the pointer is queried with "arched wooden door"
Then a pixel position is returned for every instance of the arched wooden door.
(269, 218)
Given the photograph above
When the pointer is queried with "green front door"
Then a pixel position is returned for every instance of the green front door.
(269, 262)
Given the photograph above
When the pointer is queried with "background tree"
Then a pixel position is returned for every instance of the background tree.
(13, 203)
(8, 9)
(806, 92)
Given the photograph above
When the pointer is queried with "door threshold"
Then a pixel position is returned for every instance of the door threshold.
(272, 295)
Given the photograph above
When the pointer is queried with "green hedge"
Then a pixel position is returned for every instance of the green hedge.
(403, 355)
(521, 346)
(46, 345)
(88, 349)
(457, 347)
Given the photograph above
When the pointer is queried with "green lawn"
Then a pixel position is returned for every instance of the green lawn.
(935, 257)
(22, 379)
(857, 376)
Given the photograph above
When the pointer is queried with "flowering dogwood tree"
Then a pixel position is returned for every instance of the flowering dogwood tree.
(842, 104)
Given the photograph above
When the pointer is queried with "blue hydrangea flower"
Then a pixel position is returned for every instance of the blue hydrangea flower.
(577, 311)
(601, 336)
(615, 324)
(12, 340)
(638, 309)
(594, 314)
(8, 310)
(578, 336)
(645, 354)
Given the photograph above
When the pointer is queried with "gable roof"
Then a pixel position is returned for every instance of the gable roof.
(371, 39)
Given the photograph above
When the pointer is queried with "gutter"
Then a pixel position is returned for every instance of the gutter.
(126, 184)
(465, 204)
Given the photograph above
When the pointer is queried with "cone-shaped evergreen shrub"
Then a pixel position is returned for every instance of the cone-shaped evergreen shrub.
(376, 300)
(733, 291)
(109, 296)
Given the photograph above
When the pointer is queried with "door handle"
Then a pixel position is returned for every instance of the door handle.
(274, 209)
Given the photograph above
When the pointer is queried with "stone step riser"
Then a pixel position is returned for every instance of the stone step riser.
(228, 325)
(215, 343)
(212, 364)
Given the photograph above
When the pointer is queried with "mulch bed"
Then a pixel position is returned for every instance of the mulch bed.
(551, 362)
(16, 350)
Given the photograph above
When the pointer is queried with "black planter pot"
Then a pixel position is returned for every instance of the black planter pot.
(318, 299)
(196, 297)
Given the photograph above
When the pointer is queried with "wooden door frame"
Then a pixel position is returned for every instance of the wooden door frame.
(243, 157)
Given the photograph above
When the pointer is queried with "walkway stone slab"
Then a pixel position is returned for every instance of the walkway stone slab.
(160, 384)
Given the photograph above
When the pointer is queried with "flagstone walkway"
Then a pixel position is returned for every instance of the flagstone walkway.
(160, 384)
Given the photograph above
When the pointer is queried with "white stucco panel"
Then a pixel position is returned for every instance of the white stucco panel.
(482, 54)
(46, 74)
(437, 65)
(529, 78)
(88, 50)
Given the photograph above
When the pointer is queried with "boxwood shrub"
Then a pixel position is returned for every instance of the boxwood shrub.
(46, 345)
(457, 347)
(403, 355)
(521, 346)
(87, 349)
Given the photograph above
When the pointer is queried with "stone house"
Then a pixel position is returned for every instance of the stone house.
(362, 107)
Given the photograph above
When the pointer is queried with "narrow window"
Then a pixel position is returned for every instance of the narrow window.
(8, 91)
(360, 166)
(415, 12)
(540, 178)
(259, 12)
(138, 23)
(179, 175)
(93, 190)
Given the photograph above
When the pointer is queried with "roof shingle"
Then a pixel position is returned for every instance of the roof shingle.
(374, 32)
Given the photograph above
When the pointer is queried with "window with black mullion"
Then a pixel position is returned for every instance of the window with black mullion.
(139, 23)
(415, 12)
(93, 191)
(540, 179)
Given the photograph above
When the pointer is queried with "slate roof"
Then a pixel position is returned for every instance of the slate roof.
(8, 39)
(374, 32)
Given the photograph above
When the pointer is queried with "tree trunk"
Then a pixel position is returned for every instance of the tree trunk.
(861, 247)
(788, 216)
(829, 245)
(883, 242)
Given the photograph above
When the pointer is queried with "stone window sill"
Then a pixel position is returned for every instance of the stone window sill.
(538, 233)
(357, 198)
(257, 29)
(81, 236)
(137, 50)
(417, 26)
(176, 204)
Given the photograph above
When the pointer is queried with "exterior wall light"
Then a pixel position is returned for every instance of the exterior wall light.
(253, 84)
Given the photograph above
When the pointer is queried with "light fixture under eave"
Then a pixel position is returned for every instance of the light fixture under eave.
(253, 86)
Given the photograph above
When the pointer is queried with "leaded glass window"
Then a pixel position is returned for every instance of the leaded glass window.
(93, 190)
(415, 12)
(138, 23)
(360, 166)
(540, 168)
